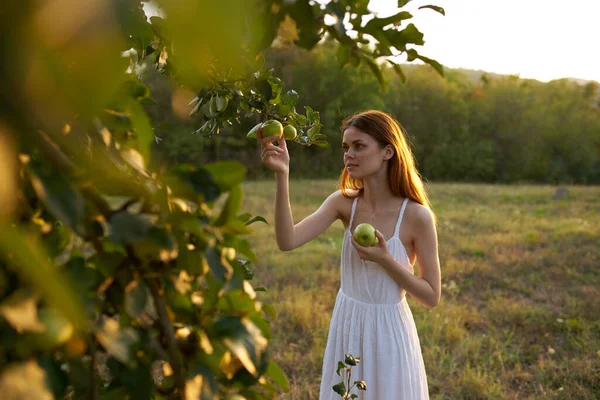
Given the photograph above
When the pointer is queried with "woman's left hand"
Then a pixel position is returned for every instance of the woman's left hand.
(375, 253)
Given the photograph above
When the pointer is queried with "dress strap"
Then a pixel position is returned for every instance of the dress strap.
(397, 231)
(352, 214)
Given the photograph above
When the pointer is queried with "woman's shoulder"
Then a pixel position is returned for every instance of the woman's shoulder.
(343, 202)
(341, 199)
(418, 214)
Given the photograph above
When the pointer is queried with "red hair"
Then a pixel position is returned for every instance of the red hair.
(403, 177)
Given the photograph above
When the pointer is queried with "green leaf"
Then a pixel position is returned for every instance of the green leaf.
(309, 30)
(126, 227)
(86, 279)
(310, 115)
(411, 34)
(191, 261)
(232, 206)
(132, 21)
(398, 71)
(220, 271)
(30, 261)
(58, 330)
(412, 55)
(143, 129)
(226, 174)
(376, 70)
(340, 389)
(179, 302)
(222, 103)
(435, 8)
(244, 340)
(241, 245)
(321, 143)
(350, 360)
(343, 55)
(436, 65)
(360, 7)
(117, 342)
(290, 98)
(402, 3)
(187, 181)
(265, 30)
(60, 198)
(136, 299)
(275, 373)
(377, 24)
(312, 132)
(361, 385)
(277, 87)
(355, 59)
(147, 101)
(301, 120)
(265, 89)
(340, 367)
(106, 262)
(57, 240)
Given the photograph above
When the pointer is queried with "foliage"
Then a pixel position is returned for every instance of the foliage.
(345, 368)
(120, 277)
(469, 126)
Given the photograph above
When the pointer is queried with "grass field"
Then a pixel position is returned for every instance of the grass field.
(520, 313)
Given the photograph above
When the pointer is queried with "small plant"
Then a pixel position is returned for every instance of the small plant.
(346, 366)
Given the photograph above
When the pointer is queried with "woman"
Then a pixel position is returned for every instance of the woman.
(371, 318)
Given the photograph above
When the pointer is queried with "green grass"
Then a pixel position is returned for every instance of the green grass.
(519, 316)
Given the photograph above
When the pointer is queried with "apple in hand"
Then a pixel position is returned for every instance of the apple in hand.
(365, 235)
(271, 127)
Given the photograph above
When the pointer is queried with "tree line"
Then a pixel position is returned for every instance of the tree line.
(465, 126)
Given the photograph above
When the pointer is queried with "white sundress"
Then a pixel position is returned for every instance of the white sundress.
(372, 320)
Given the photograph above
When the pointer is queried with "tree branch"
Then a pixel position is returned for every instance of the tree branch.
(167, 330)
(93, 380)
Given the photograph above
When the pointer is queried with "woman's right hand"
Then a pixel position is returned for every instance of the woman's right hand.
(275, 157)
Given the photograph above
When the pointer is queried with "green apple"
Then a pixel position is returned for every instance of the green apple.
(289, 132)
(365, 235)
(271, 127)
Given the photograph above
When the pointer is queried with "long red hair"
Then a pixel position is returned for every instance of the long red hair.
(404, 179)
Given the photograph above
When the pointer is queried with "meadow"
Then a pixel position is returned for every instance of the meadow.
(519, 316)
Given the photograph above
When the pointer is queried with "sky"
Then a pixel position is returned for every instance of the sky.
(538, 39)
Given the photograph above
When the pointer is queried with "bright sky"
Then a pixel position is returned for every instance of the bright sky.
(540, 39)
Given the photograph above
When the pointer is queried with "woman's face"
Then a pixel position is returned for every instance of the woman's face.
(363, 155)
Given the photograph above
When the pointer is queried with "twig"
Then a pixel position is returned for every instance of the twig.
(167, 331)
(153, 342)
(53, 152)
(93, 381)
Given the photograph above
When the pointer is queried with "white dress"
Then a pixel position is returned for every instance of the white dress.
(372, 320)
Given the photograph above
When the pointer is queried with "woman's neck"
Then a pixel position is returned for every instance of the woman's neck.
(377, 194)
